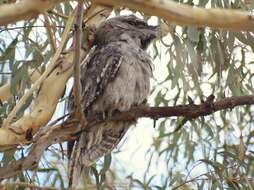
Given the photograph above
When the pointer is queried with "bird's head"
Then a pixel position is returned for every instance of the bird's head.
(134, 27)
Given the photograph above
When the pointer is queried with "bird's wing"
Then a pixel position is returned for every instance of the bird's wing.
(101, 68)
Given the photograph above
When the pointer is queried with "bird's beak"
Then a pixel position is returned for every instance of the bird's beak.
(155, 28)
(150, 34)
(154, 32)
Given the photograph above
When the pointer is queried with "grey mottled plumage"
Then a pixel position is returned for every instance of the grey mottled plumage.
(115, 78)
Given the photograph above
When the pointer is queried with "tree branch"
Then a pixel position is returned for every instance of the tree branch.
(45, 103)
(187, 15)
(50, 32)
(169, 10)
(5, 90)
(49, 69)
(68, 130)
(189, 111)
(25, 9)
(77, 60)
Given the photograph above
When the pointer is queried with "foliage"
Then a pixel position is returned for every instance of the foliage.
(213, 152)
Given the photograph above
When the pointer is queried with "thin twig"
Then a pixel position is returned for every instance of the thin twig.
(50, 33)
(197, 178)
(58, 14)
(24, 27)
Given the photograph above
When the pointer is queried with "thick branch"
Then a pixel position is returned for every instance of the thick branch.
(25, 9)
(49, 69)
(77, 61)
(188, 15)
(5, 90)
(32, 160)
(45, 103)
(68, 129)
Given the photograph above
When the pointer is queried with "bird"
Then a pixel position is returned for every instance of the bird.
(115, 78)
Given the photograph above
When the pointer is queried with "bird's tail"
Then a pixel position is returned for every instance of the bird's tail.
(98, 141)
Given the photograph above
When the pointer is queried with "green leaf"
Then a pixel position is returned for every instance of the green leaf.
(193, 33)
(106, 165)
(96, 175)
(20, 79)
(9, 53)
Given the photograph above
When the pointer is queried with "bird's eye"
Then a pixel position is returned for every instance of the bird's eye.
(136, 22)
